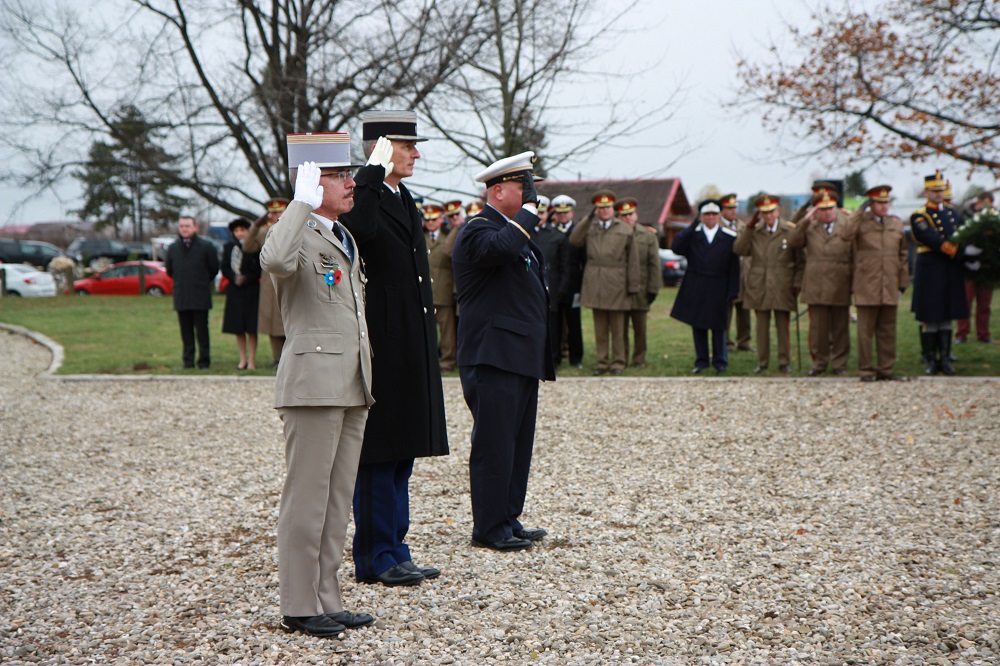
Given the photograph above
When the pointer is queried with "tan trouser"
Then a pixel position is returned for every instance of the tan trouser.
(878, 321)
(742, 325)
(322, 449)
(444, 315)
(637, 318)
(829, 337)
(781, 319)
(610, 322)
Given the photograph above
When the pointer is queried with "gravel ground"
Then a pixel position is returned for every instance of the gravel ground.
(691, 522)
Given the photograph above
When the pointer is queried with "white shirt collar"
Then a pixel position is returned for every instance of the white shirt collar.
(710, 233)
(394, 191)
(774, 228)
(324, 221)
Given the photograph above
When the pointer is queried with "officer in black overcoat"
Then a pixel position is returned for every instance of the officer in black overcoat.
(407, 420)
(711, 282)
(558, 254)
(503, 349)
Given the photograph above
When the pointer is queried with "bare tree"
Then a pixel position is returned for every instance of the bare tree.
(910, 80)
(227, 80)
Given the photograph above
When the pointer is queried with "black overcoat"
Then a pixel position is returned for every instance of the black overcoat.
(938, 280)
(712, 278)
(407, 419)
(558, 254)
(242, 301)
(193, 270)
(502, 295)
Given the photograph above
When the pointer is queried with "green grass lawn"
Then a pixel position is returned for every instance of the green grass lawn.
(139, 335)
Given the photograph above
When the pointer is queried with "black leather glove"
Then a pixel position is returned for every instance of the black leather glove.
(650, 297)
(529, 195)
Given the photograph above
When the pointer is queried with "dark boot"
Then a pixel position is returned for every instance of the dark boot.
(923, 344)
(944, 345)
(928, 343)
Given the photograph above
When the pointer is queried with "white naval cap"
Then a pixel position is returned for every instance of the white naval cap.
(543, 203)
(563, 203)
(509, 168)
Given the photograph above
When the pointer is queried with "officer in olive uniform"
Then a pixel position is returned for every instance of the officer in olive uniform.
(731, 220)
(938, 282)
(439, 247)
(775, 278)
(826, 283)
(880, 276)
(268, 309)
(610, 278)
(650, 278)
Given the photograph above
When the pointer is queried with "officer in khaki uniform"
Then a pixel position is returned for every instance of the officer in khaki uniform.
(826, 283)
(440, 245)
(650, 278)
(323, 387)
(610, 278)
(731, 220)
(880, 276)
(268, 311)
(775, 278)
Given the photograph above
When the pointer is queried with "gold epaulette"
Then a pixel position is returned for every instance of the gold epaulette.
(727, 230)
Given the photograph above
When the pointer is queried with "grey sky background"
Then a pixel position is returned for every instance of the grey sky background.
(695, 45)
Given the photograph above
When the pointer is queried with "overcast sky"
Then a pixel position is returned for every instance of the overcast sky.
(695, 45)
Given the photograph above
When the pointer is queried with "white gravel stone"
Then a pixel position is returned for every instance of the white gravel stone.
(715, 522)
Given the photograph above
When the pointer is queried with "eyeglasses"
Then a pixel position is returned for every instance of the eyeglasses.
(342, 175)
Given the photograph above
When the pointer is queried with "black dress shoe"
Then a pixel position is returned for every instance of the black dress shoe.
(530, 535)
(891, 378)
(696, 370)
(504, 545)
(396, 576)
(600, 371)
(427, 572)
(352, 620)
(785, 369)
(839, 371)
(314, 625)
(867, 378)
(759, 369)
(720, 371)
(616, 372)
(813, 372)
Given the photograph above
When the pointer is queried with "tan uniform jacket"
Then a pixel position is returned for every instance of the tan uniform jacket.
(439, 257)
(650, 273)
(776, 269)
(744, 261)
(611, 274)
(268, 311)
(829, 261)
(880, 269)
(327, 359)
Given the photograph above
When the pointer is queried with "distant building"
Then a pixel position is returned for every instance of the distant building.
(661, 201)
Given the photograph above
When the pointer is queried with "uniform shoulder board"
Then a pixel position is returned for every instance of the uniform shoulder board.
(727, 230)
(791, 225)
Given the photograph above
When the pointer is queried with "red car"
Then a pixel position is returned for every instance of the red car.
(123, 279)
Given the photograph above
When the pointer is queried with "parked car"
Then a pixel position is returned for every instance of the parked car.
(98, 253)
(25, 280)
(123, 280)
(674, 266)
(36, 253)
(140, 251)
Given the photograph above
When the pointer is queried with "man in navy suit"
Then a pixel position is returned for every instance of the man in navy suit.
(503, 348)
(711, 283)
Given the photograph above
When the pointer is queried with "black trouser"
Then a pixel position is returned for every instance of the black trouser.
(719, 358)
(574, 334)
(503, 406)
(194, 321)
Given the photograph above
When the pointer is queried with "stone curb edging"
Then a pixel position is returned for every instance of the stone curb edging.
(56, 349)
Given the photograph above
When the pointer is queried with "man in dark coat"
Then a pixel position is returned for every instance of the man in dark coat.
(570, 329)
(503, 349)
(192, 262)
(407, 420)
(711, 283)
(558, 253)
(938, 281)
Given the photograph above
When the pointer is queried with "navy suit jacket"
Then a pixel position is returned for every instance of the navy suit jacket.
(503, 298)
(712, 279)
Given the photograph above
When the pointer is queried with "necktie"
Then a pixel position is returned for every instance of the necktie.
(829, 228)
(345, 241)
(434, 236)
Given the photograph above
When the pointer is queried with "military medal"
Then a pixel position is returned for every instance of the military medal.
(334, 274)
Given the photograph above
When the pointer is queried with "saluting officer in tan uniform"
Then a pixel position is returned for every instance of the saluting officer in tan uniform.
(610, 278)
(880, 276)
(731, 220)
(440, 245)
(650, 278)
(826, 283)
(775, 278)
(323, 387)
(268, 310)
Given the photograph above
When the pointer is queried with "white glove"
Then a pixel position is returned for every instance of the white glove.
(382, 155)
(307, 187)
(973, 251)
(973, 265)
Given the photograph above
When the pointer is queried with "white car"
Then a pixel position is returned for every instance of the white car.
(23, 280)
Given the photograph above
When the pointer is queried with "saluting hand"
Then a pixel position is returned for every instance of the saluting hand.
(382, 155)
(528, 193)
(307, 187)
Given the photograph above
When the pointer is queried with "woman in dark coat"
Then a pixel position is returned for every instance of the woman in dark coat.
(242, 269)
